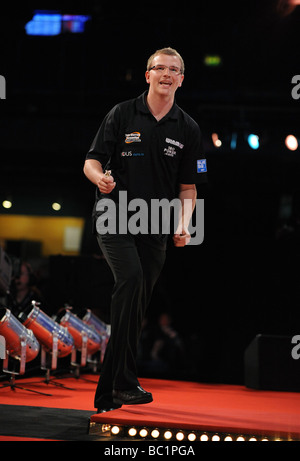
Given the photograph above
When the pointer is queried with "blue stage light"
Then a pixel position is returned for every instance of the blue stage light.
(49, 23)
(253, 141)
(74, 23)
(233, 141)
(44, 23)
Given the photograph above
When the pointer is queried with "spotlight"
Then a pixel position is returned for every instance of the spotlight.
(192, 437)
(115, 430)
(212, 60)
(56, 206)
(7, 204)
(233, 141)
(76, 327)
(86, 339)
(53, 337)
(180, 436)
(204, 438)
(168, 435)
(92, 320)
(132, 432)
(21, 344)
(155, 433)
(253, 141)
(143, 433)
(100, 327)
(105, 427)
(291, 142)
(51, 23)
(216, 140)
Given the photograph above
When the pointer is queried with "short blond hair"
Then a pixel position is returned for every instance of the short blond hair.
(170, 52)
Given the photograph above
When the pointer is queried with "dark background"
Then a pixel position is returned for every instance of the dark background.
(244, 278)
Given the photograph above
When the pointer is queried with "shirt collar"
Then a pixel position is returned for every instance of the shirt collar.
(142, 107)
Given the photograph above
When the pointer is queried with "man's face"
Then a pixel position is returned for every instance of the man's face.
(164, 82)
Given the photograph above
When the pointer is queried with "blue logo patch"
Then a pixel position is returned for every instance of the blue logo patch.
(201, 166)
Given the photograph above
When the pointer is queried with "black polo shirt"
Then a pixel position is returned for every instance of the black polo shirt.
(149, 158)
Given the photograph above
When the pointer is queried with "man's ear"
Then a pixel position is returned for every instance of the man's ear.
(147, 75)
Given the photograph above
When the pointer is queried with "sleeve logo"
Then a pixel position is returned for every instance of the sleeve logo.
(201, 166)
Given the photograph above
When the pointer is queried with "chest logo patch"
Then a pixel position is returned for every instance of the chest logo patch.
(133, 137)
(174, 143)
(170, 151)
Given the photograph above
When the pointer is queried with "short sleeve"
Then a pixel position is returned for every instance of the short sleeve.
(104, 143)
(193, 166)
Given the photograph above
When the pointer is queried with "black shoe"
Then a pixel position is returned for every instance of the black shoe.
(132, 397)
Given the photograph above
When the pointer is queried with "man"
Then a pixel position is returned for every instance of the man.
(150, 147)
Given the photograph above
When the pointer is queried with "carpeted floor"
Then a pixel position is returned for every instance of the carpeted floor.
(62, 415)
(20, 421)
(65, 414)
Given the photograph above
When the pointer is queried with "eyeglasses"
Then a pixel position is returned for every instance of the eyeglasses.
(160, 68)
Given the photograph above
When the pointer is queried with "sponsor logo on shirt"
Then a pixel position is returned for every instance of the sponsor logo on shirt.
(174, 143)
(133, 137)
(170, 151)
(132, 154)
(201, 166)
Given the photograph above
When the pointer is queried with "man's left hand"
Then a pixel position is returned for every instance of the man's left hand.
(181, 239)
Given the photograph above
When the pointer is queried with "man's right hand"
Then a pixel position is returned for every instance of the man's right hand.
(106, 184)
(94, 172)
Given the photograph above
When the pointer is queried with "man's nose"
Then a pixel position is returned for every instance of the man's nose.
(167, 71)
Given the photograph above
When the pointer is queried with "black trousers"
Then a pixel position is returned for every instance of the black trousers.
(136, 266)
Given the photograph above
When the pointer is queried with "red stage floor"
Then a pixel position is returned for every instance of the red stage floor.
(191, 407)
(211, 408)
